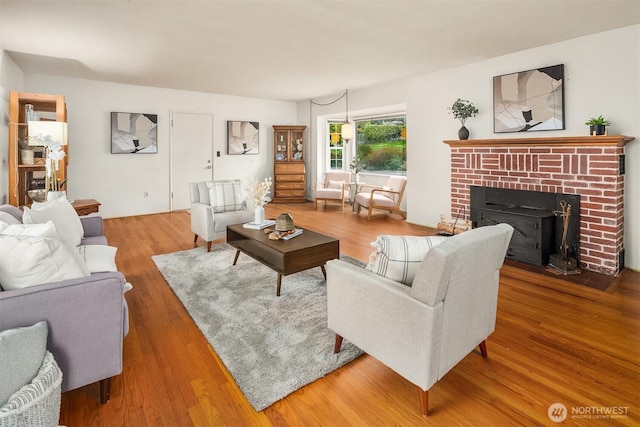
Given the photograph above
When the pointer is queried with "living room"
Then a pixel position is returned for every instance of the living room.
(128, 186)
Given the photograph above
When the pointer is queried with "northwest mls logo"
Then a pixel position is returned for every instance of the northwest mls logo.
(557, 412)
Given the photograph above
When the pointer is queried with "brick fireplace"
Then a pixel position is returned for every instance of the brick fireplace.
(589, 166)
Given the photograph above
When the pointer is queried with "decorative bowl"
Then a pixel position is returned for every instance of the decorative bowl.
(37, 195)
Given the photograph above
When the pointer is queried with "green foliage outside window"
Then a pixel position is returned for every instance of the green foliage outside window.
(382, 144)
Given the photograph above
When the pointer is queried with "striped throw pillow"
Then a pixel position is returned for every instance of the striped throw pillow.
(399, 257)
(226, 196)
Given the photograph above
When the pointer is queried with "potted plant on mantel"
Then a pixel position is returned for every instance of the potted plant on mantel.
(597, 125)
(462, 110)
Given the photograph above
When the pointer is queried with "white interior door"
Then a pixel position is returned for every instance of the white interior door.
(191, 154)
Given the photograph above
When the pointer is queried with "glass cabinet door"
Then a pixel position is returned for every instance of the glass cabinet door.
(281, 142)
(297, 145)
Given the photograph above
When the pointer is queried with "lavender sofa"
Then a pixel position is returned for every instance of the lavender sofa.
(87, 317)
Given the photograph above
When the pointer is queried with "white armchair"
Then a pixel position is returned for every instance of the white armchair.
(422, 331)
(336, 187)
(209, 219)
(387, 197)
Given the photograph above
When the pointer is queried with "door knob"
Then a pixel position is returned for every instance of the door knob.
(209, 167)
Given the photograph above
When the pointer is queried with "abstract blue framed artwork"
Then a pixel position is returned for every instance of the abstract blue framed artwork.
(528, 101)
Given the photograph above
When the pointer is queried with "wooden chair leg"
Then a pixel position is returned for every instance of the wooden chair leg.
(483, 348)
(370, 210)
(338, 344)
(424, 401)
(209, 246)
(105, 390)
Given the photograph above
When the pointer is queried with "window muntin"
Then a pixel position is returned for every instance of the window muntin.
(336, 146)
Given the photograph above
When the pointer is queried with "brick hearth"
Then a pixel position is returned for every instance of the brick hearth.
(588, 166)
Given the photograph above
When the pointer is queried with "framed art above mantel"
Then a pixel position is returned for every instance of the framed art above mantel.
(529, 101)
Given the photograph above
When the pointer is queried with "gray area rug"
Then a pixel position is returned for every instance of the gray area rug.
(271, 345)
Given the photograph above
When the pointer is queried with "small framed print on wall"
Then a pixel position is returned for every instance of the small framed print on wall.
(243, 137)
(528, 101)
(134, 133)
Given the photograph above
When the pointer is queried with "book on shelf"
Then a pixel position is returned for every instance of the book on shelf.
(265, 224)
(292, 235)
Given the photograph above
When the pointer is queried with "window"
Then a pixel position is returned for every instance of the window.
(381, 143)
(336, 146)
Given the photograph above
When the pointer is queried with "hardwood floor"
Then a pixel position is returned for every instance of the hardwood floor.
(555, 341)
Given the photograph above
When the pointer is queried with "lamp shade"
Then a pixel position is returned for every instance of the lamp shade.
(47, 133)
(347, 131)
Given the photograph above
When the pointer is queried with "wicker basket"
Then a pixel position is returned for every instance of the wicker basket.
(37, 403)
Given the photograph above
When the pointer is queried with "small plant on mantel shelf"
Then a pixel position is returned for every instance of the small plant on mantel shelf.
(597, 125)
(462, 110)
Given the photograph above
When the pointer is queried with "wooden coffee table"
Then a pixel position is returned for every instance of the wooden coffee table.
(303, 252)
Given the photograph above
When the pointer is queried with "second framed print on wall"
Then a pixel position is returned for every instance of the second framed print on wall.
(243, 137)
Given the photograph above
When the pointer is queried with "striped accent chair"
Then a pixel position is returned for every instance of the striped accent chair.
(214, 205)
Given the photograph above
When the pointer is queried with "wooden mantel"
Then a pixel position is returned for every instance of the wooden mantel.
(615, 140)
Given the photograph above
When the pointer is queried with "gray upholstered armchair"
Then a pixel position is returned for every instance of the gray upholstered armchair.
(211, 215)
(422, 331)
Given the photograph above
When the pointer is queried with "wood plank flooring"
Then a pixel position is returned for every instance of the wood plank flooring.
(555, 341)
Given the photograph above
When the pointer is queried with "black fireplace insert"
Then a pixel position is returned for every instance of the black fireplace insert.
(539, 220)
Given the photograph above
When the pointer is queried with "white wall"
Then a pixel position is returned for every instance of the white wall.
(602, 75)
(120, 181)
(11, 78)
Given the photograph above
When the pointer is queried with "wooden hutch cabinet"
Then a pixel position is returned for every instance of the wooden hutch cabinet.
(289, 170)
(28, 173)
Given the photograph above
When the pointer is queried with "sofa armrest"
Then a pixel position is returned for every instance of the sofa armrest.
(93, 225)
(87, 320)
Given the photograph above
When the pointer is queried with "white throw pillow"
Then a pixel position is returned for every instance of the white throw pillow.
(335, 184)
(399, 257)
(48, 229)
(98, 258)
(62, 214)
(226, 196)
(28, 261)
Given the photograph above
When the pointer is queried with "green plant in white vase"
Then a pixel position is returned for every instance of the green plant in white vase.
(356, 166)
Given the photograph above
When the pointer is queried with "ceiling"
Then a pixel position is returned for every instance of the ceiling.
(286, 50)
